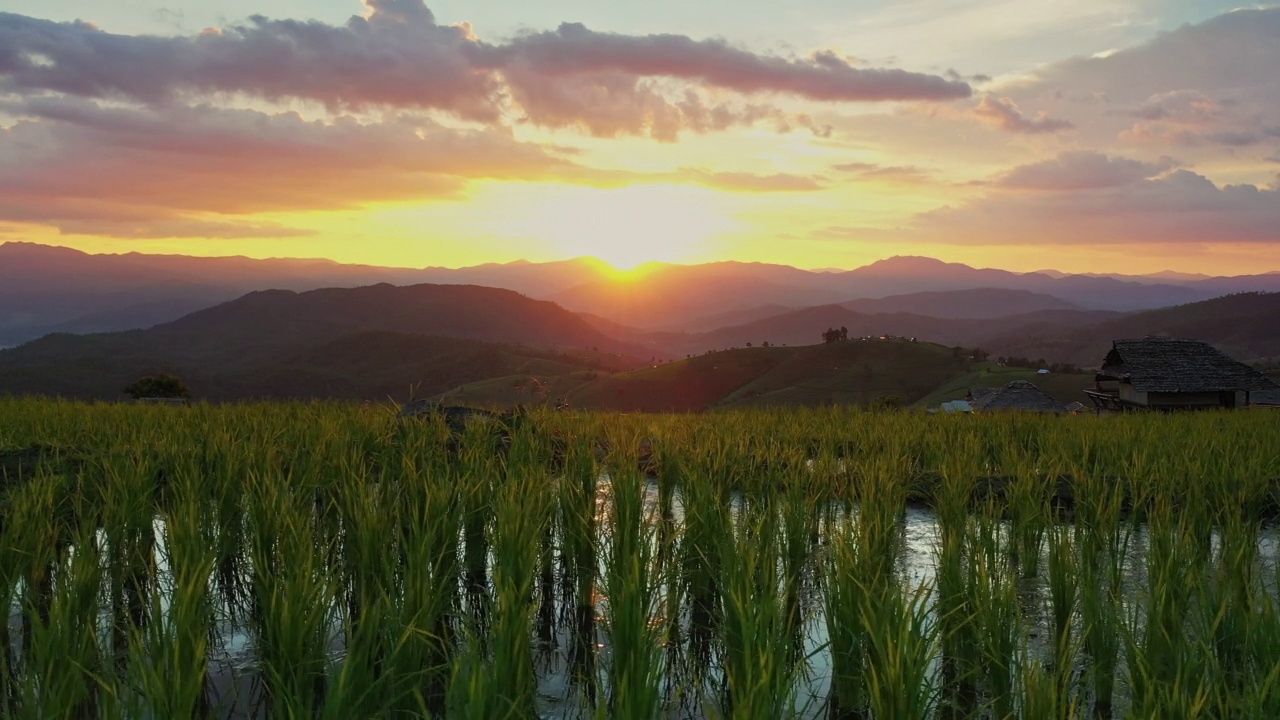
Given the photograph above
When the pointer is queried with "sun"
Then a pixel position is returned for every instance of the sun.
(626, 227)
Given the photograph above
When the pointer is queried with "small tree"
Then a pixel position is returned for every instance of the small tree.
(882, 403)
(160, 385)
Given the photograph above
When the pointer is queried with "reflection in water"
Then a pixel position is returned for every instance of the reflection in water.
(570, 611)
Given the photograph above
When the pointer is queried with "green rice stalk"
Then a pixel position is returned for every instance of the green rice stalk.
(635, 662)
(901, 653)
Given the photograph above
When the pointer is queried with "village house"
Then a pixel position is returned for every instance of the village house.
(1158, 373)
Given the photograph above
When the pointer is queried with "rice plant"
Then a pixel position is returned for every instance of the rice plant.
(322, 560)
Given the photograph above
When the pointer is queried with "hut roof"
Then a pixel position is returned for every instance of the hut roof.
(1158, 364)
(1017, 395)
(455, 416)
(980, 394)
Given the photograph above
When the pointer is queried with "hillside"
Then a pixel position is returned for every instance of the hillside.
(461, 311)
(852, 372)
(805, 327)
(373, 366)
(857, 372)
(334, 342)
(1244, 326)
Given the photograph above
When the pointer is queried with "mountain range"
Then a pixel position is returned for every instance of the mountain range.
(47, 289)
(662, 337)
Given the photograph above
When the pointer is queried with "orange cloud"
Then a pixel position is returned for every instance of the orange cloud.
(70, 162)
(190, 171)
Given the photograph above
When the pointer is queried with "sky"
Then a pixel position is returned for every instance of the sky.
(1126, 136)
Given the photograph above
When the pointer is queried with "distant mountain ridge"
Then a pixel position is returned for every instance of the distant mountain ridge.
(50, 289)
(1246, 326)
(973, 304)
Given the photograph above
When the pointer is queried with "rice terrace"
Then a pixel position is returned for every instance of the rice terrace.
(327, 560)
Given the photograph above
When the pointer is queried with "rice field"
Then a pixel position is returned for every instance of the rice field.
(329, 561)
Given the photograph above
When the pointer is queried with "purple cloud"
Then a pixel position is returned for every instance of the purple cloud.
(1082, 170)
(399, 57)
(1004, 114)
(573, 49)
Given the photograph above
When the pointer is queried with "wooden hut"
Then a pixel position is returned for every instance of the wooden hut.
(1158, 373)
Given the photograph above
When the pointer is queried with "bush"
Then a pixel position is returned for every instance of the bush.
(160, 385)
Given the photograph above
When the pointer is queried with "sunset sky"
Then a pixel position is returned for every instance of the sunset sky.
(1095, 135)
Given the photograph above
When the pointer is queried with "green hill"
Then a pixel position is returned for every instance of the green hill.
(359, 366)
(359, 343)
(851, 372)
(697, 383)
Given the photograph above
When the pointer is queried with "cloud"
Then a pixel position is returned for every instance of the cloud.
(1004, 114)
(199, 171)
(1091, 199)
(1209, 86)
(72, 162)
(573, 49)
(1185, 107)
(748, 182)
(1082, 170)
(906, 174)
(1233, 51)
(1163, 134)
(613, 104)
(399, 57)
(953, 74)
(1119, 208)
(76, 217)
(396, 57)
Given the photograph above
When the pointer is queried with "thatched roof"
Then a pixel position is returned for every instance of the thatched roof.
(1270, 398)
(980, 394)
(1017, 395)
(455, 416)
(1171, 365)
